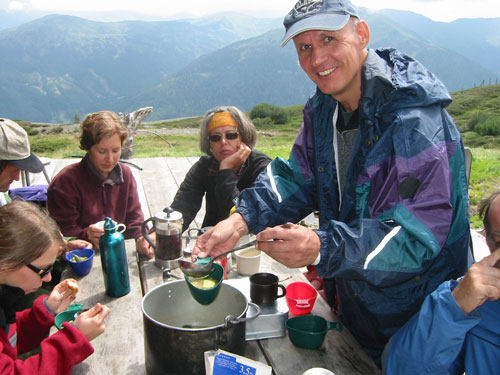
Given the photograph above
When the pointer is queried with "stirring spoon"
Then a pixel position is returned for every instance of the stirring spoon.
(198, 270)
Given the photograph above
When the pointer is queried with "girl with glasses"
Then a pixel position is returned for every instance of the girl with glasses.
(30, 241)
(231, 164)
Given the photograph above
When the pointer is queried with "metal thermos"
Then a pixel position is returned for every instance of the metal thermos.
(114, 261)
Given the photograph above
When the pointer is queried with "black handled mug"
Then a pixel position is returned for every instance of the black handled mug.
(264, 288)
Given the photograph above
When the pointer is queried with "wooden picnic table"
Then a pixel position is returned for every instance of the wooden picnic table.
(120, 350)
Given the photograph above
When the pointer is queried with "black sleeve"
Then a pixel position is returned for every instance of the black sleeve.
(189, 197)
(227, 188)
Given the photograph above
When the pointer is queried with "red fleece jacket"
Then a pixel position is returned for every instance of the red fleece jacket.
(59, 352)
(78, 197)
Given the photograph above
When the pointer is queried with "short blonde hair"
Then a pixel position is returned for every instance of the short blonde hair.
(102, 124)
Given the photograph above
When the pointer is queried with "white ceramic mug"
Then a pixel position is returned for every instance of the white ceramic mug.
(119, 227)
(248, 261)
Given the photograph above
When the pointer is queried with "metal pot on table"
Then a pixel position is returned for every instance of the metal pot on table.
(178, 330)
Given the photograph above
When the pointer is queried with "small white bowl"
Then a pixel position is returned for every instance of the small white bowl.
(248, 261)
(318, 371)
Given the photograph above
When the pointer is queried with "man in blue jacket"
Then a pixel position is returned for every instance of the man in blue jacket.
(383, 163)
(457, 330)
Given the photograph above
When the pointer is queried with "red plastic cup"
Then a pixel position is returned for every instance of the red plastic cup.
(300, 297)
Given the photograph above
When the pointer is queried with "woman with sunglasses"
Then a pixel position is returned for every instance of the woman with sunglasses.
(30, 241)
(228, 138)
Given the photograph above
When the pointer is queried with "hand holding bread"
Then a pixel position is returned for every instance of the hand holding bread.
(62, 295)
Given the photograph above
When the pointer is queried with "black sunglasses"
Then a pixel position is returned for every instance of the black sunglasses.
(41, 272)
(217, 137)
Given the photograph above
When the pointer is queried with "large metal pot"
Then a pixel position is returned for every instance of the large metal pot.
(178, 330)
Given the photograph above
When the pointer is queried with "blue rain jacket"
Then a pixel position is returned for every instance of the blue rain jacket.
(401, 226)
(442, 339)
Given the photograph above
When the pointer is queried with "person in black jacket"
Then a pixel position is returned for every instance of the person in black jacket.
(228, 137)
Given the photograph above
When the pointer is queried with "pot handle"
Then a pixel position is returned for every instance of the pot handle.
(232, 320)
(334, 325)
(145, 232)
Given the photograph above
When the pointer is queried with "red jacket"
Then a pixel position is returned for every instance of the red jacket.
(59, 352)
(78, 197)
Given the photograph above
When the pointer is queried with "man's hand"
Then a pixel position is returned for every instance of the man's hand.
(290, 244)
(236, 160)
(220, 238)
(480, 283)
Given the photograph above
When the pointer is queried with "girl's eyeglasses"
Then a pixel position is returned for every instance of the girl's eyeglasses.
(218, 137)
(42, 272)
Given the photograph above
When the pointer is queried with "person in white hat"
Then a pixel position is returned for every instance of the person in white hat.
(15, 154)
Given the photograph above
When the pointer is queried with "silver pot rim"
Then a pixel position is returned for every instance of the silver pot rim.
(222, 325)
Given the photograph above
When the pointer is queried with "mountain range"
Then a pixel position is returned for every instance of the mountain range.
(57, 66)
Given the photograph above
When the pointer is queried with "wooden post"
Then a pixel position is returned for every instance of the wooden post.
(132, 121)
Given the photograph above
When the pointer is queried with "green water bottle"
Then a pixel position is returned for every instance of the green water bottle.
(114, 261)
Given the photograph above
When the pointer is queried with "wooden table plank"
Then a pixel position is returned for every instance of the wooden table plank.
(120, 349)
(140, 188)
(157, 183)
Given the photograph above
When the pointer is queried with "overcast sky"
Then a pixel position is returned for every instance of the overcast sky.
(437, 10)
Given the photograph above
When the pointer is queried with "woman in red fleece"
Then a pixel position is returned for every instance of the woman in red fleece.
(29, 243)
(85, 193)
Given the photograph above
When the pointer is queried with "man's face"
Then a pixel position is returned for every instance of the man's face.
(9, 174)
(493, 240)
(333, 60)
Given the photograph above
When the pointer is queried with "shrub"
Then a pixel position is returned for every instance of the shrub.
(476, 118)
(262, 121)
(55, 130)
(280, 116)
(490, 126)
(260, 111)
(276, 114)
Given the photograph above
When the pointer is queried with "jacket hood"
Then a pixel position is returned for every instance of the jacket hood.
(405, 81)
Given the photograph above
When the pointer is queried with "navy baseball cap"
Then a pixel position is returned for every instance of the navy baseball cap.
(330, 15)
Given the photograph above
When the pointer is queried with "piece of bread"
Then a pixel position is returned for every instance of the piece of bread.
(73, 286)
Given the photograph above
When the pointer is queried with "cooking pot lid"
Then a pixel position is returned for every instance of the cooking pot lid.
(168, 214)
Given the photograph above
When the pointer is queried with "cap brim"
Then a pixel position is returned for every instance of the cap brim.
(31, 164)
(328, 22)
